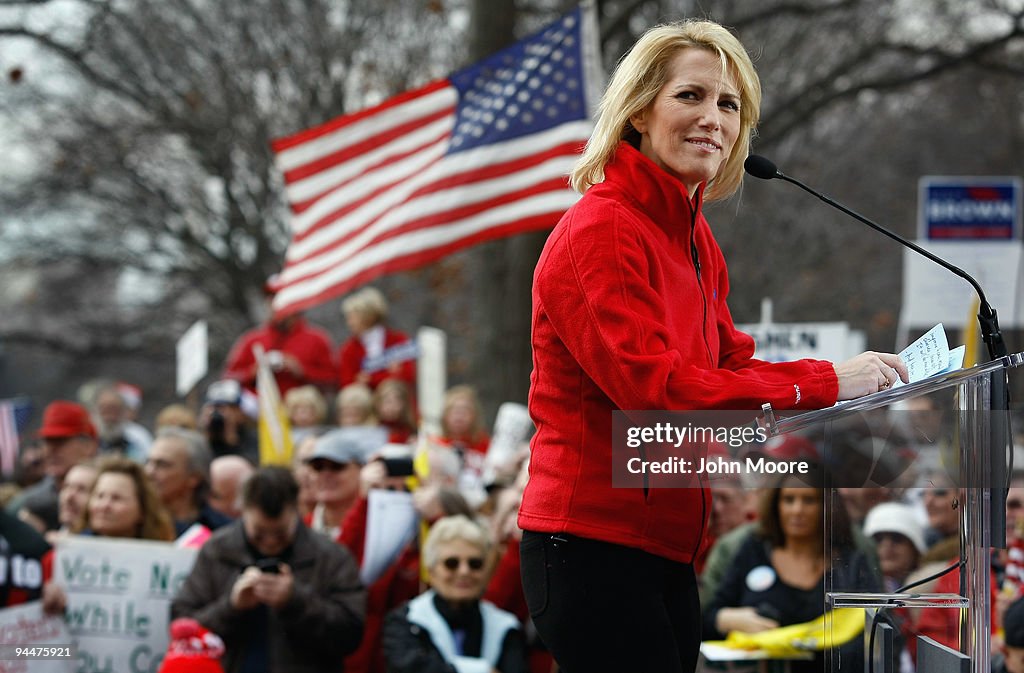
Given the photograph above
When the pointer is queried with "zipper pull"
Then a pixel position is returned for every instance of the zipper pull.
(696, 259)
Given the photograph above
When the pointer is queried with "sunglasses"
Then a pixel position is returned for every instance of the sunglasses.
(453, 563)
(320, 465)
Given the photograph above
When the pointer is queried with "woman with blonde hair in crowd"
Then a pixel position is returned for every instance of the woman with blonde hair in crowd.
(177, 416)
(462, 422)
(121, 504)
(394, 409)
(450, 627)
(463, 433)
(306, 407)
(307, 410)
(354, 405)
(366, 313)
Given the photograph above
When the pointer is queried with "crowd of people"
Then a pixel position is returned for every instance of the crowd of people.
(279, 580)
(528, 555)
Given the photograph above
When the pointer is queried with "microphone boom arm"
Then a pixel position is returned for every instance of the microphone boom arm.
(987, 316)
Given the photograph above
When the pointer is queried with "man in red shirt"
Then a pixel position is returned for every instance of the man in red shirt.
(299, 353)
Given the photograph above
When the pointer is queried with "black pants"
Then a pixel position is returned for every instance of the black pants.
(605, 608)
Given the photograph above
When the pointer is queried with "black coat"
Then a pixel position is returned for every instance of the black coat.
(321, 623)
(409, 649)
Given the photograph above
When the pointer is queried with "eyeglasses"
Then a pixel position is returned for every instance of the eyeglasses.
(453, 562)
(319, 465)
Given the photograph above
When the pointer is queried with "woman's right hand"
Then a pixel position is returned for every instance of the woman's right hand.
(868, 373)
(55, 601)
(744, 620)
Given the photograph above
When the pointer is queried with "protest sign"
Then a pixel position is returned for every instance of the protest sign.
(118, 599)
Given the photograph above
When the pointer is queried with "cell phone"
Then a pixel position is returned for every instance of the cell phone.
(269, 565)
(398, 466)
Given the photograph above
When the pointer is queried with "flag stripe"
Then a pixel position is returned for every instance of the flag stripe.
(346, 236)
(330, 136)
(369, 184)
(320, 288)
(480, 155)
(322, 263)
(417, 241)
(393, 185)
(319, 167)
(389, 174)
(305, 192)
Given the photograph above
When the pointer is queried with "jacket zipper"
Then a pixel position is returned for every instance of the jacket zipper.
(700, 287)
(704, 337)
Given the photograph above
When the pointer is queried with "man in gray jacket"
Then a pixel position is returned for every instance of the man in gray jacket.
(282, 597)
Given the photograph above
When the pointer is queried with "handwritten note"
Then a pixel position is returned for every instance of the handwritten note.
(930, 355)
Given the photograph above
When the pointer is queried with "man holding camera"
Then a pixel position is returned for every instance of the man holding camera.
(282, 597)
(226, 425)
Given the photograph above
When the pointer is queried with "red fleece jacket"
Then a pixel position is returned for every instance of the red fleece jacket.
(629, 312)
(310, 345)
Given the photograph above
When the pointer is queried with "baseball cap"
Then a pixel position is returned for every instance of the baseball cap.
(225, 391)
(348, 445)
(894, 517)
(66, 419)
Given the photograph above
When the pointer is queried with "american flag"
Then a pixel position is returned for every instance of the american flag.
(480, 155)
(14, 415)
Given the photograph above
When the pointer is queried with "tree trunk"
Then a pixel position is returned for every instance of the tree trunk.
(503, 270)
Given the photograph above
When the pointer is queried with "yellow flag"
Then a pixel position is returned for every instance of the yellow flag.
(275, 432)
(972, 334)
(832, 629)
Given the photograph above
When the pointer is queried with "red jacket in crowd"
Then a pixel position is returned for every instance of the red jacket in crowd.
(352, 354)
(629, 312)
(310, 345)
(398, 584)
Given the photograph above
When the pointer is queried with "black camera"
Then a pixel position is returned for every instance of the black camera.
(215, 428)
(398, 466)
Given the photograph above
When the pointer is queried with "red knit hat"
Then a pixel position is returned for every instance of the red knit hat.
(193, 649)
(66, 419)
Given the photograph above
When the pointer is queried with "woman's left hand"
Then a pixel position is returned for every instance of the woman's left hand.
(868, 373)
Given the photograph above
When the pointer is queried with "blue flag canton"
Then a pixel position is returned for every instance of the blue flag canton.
(21, 411)
(532, 86)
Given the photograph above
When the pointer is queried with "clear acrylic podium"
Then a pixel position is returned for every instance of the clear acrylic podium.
(934, 437)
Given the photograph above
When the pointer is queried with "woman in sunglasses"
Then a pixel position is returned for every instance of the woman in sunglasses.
(449, 626)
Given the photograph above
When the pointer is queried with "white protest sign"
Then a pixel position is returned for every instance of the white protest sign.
(431, 377)
(512, 427)
(785, 342)
(118, 599)
(26, 626)
(933, 294)
(390, 525)
(193, 357)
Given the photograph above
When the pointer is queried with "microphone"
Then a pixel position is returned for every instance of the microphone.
(764, 168)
